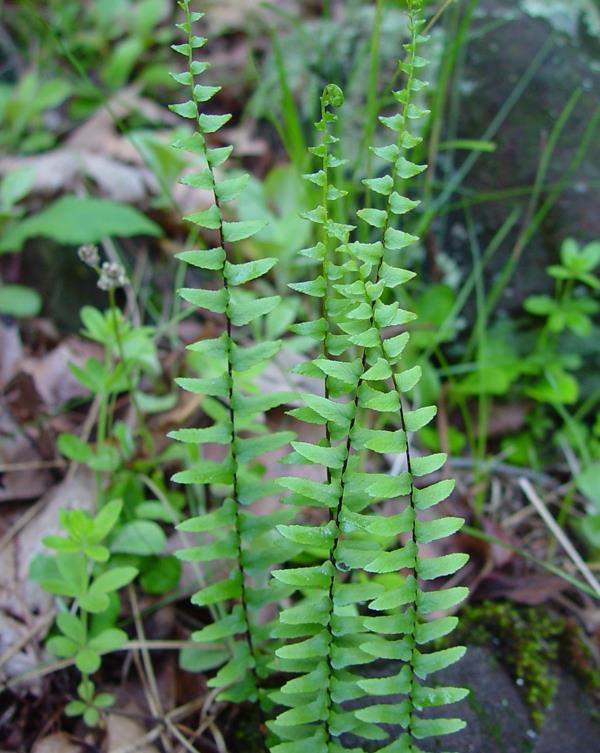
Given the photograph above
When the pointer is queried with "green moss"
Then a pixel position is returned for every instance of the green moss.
(525, 640)
(579, 658)
(528, 641)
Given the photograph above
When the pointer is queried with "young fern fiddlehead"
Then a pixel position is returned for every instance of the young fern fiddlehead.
(234, 534)
(336, 638)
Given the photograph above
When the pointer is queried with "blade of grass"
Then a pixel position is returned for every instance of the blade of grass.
(468, 145)
(560, 535)
(469, 284)
(548, 566)
(371, 109)
(448, 68)
(456, 179)
(290, 131)
(471, 199)
(438, 14)
(530, 228)
(483, 401)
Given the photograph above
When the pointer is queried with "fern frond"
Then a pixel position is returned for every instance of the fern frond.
(334, 639)
(229, 534)
(383, 389)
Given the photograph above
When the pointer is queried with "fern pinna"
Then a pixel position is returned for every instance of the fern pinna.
(354, 595)
(346, 623)
(230, 534)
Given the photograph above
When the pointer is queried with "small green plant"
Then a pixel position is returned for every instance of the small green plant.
(356, 585)
(570, 310)
(80, 575)
(22, 107)
(83, 53)
(99, 555)
(16, 300)
(115, 457)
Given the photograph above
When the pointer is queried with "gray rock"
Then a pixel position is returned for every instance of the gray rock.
(497, 717)
(495, 61)
(498, 720)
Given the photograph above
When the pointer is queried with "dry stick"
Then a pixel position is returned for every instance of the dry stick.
(32, 465)
(179, 713)
(218, 737)
(565, 542)
(180, 736)
(35, 674)
(438, 15)
(21, 523)
(153, 695)
(148, 676)
(56, 666)
(42, 623)
(151, 701)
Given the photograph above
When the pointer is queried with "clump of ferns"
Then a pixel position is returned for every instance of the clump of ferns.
(363, 593)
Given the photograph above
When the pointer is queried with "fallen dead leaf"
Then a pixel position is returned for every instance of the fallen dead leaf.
(16, 662)
(19, 596)
(278, 377)
(11, 349)
(236, 14)
(123, 730)
(17, 447)
(67, 169)
(532, 588)
(507, 419)
(59, 742)
(96, 151)
(51, 373)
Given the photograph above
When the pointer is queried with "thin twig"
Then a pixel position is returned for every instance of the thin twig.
(560, 535)
(32, 465)
(179, 713)
(146, 670)
(437, 16)
(22, 522)
(56, 666)
(42, 623)
(503, 469)
(180, 736)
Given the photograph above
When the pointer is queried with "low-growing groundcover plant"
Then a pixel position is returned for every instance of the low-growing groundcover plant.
(325, 610)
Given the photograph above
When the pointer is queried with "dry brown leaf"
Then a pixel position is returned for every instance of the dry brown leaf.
(17, 448)
(278, 377)
(69, 170)
(244, 140)
(12, 351)
(12, 632)
(236, 14)
(507, 419)
(60, 742)
(532, 589)
(51, 373)
(122, 731)
(97, 151)
(19, 596)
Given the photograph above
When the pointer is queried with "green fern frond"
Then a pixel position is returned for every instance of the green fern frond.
(229, 534)
(356, 588)
(336, 641)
